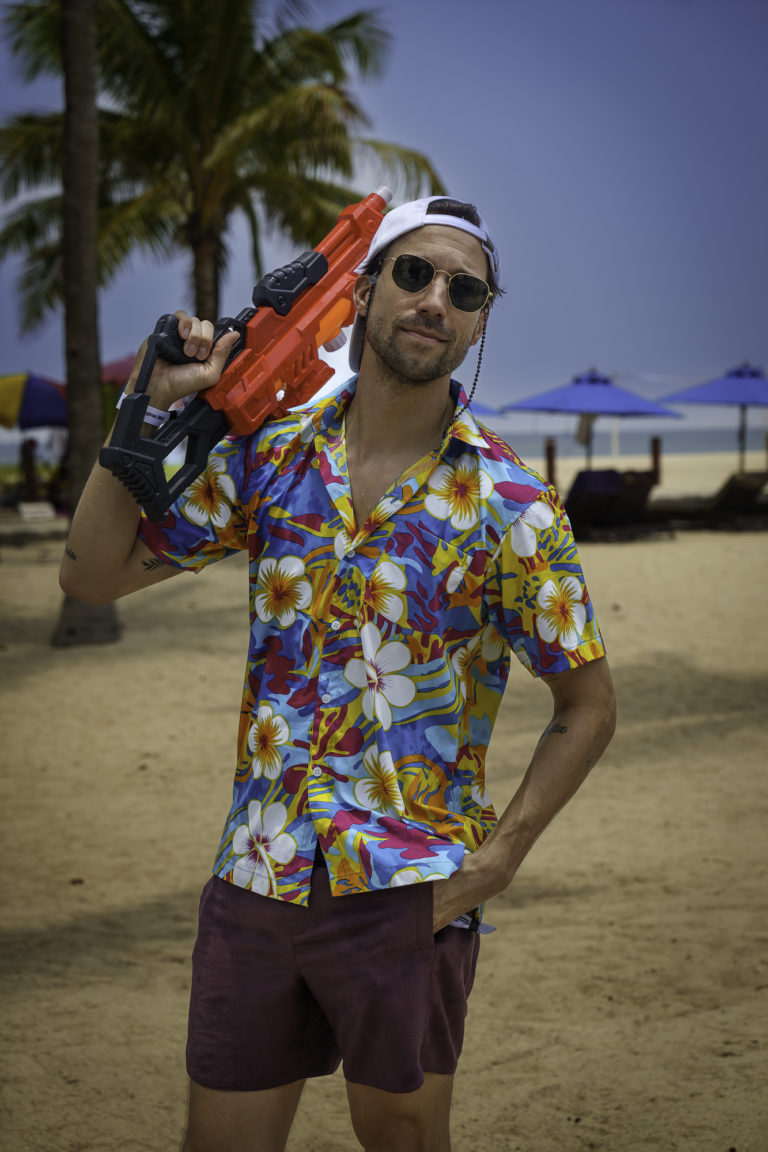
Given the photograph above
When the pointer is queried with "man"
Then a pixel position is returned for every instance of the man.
(398, 553)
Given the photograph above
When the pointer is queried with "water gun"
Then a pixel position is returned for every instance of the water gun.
(274, 365)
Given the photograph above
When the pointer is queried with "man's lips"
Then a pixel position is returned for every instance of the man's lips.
(428, 334)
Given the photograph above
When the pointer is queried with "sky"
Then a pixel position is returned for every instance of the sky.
(618, 151)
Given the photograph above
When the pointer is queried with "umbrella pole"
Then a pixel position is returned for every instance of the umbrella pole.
(742, 435)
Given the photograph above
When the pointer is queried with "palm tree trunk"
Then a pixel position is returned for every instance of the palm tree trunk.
(205, 256)
(81, 623)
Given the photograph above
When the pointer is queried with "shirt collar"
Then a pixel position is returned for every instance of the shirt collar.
(327, 414)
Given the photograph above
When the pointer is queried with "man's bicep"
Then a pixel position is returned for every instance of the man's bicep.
(145, 568)
(586, 684)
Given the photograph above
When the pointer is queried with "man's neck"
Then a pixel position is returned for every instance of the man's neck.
(388, 413)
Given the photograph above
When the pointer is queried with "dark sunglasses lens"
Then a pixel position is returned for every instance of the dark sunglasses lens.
(412, 273)
(468, 293)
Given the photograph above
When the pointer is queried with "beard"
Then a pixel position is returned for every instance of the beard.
(417, 366)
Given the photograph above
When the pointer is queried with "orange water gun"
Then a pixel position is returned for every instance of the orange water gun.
(274, 365)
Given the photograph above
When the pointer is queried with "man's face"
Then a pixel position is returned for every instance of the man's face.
(421, 336)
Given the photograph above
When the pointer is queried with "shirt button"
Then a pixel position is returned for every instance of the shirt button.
(336, 625)
(326, 698)
(316, 772)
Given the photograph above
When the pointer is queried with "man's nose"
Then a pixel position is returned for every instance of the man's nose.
(435, 296)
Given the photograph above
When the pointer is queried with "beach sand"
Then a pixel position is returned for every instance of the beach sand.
(621, 1005)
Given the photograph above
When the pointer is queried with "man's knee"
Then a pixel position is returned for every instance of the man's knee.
(403, 1122)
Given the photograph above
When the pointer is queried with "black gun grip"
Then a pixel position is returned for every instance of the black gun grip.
(279, 289)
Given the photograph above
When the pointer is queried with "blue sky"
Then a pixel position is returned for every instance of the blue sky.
(618, 150)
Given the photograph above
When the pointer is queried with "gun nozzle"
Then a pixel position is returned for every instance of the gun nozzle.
(385, 193)
(335, 342)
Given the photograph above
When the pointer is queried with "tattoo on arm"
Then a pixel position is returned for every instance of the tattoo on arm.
(68, 551)
(560, 729)
(151, 565)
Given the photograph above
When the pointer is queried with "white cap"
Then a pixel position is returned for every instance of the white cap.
(406, 218)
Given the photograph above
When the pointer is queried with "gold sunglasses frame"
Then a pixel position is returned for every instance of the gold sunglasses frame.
(448, 277)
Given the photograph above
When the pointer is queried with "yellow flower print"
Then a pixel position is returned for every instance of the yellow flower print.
(455, 491)
(382, 591)
(563, 615)
(281, 590)
(267, 733)
(210, 497)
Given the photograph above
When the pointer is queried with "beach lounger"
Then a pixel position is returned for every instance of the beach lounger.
(737, 504)
(609, 502)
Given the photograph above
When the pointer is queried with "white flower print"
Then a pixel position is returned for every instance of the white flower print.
(523, 533)
(210, 497)
(455, 491)
(462, 660)
(383, 588)
(281, 590)
(492, 644)
(379, 791)
(267, 733)
(377, 674)
(563, 615)
(412, 876)
(342, 543)
(260, 844)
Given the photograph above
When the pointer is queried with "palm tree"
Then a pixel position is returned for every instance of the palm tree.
(210, 108)
(81, 623)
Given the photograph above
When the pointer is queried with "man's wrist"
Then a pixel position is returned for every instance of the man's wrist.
(156, 417)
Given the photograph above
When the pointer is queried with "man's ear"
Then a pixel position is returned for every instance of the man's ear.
(480, 326)
(361, 293)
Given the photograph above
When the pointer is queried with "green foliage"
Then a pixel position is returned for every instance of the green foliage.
(207, 110)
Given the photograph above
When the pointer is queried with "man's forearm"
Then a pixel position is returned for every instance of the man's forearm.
(570, 746)
(572, 743)
(101, 539)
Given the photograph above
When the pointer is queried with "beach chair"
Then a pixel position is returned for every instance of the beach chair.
(609, 501)
(736, 504)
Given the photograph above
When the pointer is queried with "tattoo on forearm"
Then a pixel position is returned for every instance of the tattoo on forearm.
(150, 565)
(68, 551)
(560, 729)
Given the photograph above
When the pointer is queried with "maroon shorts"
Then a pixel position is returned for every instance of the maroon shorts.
(281, 992)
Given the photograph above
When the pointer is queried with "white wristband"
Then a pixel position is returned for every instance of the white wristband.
(154, 416)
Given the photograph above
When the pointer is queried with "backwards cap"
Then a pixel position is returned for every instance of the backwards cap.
(415, 214)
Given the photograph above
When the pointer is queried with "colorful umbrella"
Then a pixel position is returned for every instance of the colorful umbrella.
(744, 386)
(590, 396)
(29, 401)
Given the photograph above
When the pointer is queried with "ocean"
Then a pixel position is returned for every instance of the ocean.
(616, 440)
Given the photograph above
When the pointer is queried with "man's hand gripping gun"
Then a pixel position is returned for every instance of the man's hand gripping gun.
(273, 366)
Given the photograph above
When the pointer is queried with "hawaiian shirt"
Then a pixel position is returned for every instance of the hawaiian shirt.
(378, 653)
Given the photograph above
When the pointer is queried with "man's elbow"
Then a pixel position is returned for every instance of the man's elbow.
(606, 715)
(73, 584)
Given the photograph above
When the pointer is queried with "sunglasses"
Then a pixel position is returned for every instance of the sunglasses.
(414, 274)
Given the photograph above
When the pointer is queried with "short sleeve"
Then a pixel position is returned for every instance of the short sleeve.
(209, 520)
(537, 596)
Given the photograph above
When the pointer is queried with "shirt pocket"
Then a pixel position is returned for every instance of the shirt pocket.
(443, 583)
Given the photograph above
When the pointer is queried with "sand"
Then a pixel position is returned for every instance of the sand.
(622, 1004)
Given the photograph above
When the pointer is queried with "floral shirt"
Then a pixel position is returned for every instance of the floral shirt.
(378, 654)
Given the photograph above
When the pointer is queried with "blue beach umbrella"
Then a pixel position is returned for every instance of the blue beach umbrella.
(482, 409)
(742, 386)
(591, 395)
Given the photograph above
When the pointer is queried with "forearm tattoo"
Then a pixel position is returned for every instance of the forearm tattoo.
(68, 552)
(560, 729)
